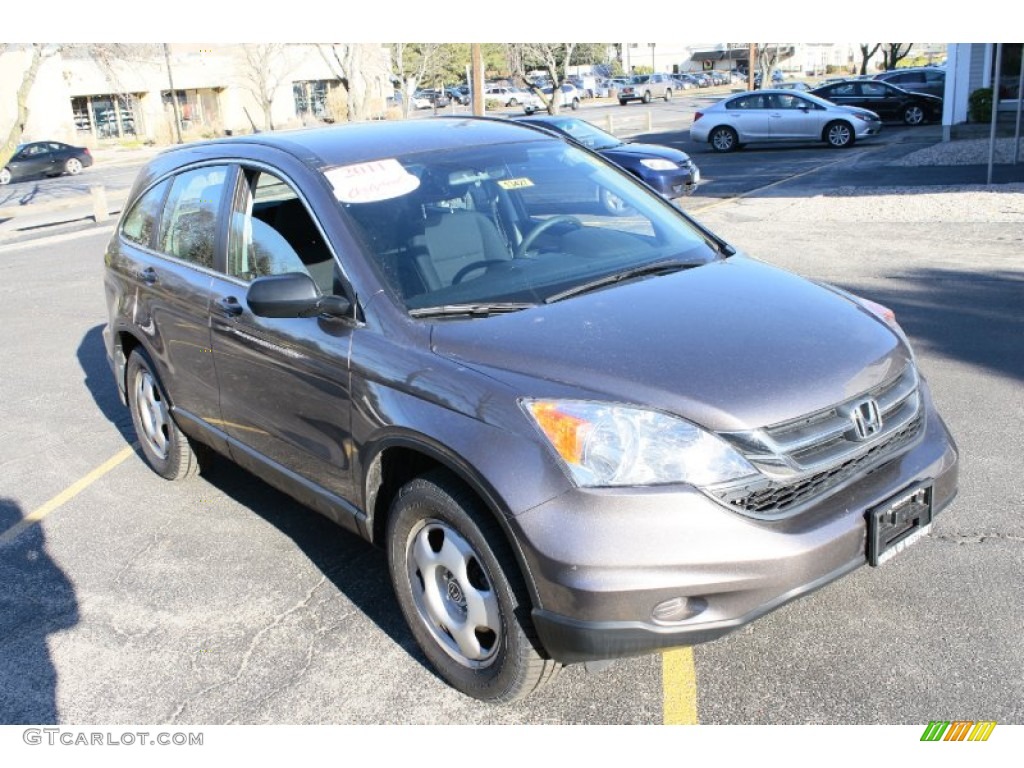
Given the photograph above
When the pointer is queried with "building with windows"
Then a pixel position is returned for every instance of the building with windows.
(94, 94)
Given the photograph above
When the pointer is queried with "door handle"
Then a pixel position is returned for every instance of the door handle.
(229, 306)
(147, 275)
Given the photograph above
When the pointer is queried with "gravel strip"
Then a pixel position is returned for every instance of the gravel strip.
(961, 152)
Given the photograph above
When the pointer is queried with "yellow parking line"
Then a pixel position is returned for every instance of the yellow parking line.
(66, 495)
(679, 687)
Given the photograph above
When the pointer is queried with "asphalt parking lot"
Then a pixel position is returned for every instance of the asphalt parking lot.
(126, 599)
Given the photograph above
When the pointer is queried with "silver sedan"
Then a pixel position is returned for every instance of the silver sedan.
(775, 115)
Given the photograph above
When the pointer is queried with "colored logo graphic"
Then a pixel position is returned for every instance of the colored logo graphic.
(959, 730)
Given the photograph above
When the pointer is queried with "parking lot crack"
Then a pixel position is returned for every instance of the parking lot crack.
(250, 650)
(978, 538)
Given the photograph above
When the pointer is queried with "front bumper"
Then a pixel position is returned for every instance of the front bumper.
(608, 557)
(675, 183)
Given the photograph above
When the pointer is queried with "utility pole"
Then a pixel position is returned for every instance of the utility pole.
(478, 80)
(174, 94)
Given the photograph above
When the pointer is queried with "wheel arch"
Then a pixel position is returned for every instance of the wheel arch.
(400, 457)
(843, 121)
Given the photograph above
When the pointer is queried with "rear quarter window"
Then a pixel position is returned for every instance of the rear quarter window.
(144, 217)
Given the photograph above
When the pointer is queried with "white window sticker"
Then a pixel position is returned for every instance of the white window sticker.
(370, 182)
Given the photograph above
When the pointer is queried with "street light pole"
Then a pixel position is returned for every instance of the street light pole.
(174, 93)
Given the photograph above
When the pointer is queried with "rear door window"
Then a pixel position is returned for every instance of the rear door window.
(188, 229)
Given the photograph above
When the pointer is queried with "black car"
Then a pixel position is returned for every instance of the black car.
(576, 435)
(45, 158)
(670, 171)
(885, 100)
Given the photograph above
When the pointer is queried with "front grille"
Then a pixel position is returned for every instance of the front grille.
(802, 459)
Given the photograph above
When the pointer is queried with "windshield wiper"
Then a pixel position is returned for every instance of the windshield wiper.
(657, 268)
(472, 310)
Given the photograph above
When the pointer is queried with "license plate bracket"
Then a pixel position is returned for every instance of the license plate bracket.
(898, 523)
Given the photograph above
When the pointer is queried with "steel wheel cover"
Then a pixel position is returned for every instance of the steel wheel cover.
(453, 595)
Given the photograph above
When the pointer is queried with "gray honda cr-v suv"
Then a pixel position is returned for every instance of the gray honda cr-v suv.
(577, 433)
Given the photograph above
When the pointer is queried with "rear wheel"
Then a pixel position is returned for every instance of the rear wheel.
(623, 102)
(461, 592)
(668, 95)
(647, 97)
(73, 166)
(165, 447)
(723, 139)
(575, 104)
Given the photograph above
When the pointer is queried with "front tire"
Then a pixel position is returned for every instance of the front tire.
(5, 177)
(165, 447)
(668, 95)
(647, 97)
(913, 115)
(839, 134)
(461, 591)
(723, 139)
(623, 102)
(575, 104)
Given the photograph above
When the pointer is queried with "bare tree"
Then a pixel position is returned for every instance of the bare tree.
(867, 50)
(263, 68)
(359, 67)
(555, 58)
(767, 59)
(37, 54)
(414, 63)
(894, 53)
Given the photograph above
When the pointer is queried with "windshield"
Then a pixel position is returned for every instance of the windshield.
(511, 223)
(640, 79)
(586, 134)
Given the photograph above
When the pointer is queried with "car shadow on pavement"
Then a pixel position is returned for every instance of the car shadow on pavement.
(92, 357)
(36, 600)
(356, 568)
(976, 317)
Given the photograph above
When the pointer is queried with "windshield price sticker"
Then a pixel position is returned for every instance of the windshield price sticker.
(515, 183)
(371, 182)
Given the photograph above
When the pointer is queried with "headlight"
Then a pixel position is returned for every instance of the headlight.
(657, 164)
(613, 445)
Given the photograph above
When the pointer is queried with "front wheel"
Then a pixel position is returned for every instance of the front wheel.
(575, 104)
(5, 177)
(668, 95)
(723, 139)
(512, 103)
(461, 593)
(623, 102)
(913, 115)
(839, 134)
(647, 97)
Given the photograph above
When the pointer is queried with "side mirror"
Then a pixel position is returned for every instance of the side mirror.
(293, 294)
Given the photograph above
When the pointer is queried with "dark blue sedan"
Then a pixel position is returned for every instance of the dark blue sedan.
(670, 171)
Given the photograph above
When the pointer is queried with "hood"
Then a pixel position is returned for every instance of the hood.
(641, 151)
(735, 344)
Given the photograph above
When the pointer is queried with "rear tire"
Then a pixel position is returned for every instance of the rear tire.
(647, 97)
(668, 95)
(623, 102)
(73, 166)
(461, 591)
(723, 139)
(165, 447)
(575, 104)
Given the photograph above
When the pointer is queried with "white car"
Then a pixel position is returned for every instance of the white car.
(781, 115)
(570, 96)
(510, 97)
